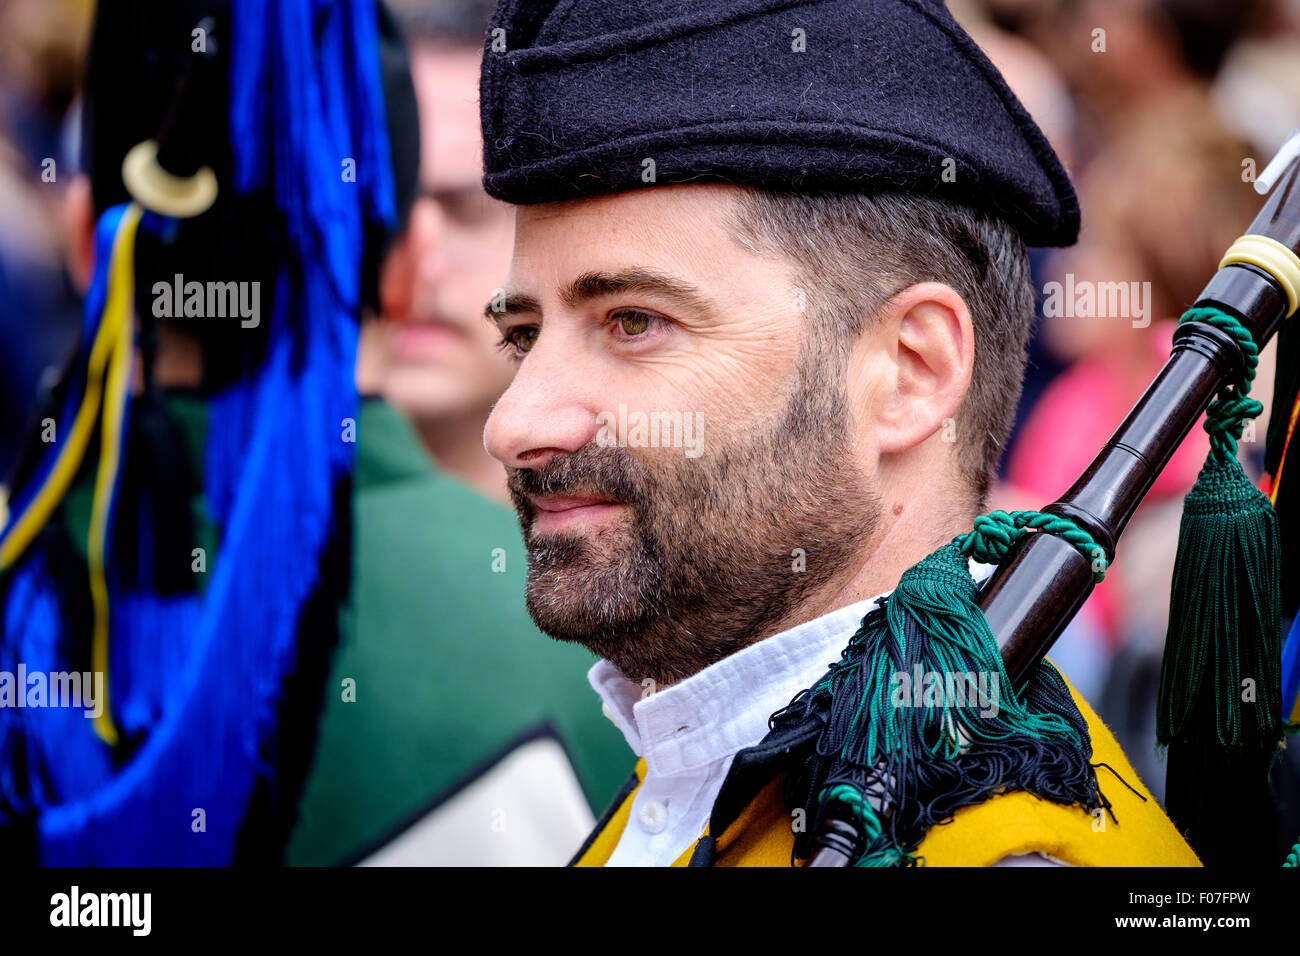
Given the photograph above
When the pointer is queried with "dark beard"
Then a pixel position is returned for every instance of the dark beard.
(701, 564)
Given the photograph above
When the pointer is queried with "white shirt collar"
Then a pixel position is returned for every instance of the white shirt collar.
(724, 708)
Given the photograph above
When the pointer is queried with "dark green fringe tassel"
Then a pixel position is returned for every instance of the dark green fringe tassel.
(1224, 631)
(924, 760)
(1224, 624)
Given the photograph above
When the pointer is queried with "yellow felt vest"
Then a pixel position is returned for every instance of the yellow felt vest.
(981, 835)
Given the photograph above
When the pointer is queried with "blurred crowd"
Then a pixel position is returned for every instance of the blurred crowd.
(1163, 111)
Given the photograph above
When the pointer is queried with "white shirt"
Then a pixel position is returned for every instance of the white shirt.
(689, 732)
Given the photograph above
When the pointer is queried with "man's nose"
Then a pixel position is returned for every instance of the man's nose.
(428, 236)
(546, 411)
(415, 262)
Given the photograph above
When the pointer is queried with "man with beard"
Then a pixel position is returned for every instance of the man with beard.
(827, 279)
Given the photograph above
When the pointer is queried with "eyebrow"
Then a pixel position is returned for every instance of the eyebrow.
(595, 285)
(513, 304)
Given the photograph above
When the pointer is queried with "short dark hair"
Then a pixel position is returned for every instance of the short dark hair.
(856, 251)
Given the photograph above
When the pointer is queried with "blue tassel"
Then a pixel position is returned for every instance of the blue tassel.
(201, 677)
(50, 752)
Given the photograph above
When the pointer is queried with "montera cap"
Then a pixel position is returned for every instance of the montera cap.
(586, 97)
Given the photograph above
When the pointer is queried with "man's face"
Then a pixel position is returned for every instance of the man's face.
(678, 445)
(437, 359)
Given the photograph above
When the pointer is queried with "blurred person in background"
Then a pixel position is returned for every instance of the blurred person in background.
(42, 43)
(317, 648)
(474, 747)
(432, 355)
(1127, 61)
(32, 283)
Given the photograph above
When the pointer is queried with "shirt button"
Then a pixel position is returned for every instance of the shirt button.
(653, 816)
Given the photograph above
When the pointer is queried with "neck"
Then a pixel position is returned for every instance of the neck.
(456, 444)
(910, 528)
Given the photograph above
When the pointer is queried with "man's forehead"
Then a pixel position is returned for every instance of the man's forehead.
(653, 210)
(451, 141)
(682, 229)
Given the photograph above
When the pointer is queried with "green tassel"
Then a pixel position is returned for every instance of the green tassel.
(1224, 611)
(1224, 624)
(1219, 705)
(886, 742)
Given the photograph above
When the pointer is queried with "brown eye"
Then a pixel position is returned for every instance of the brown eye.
(522, 338)
(633, 323)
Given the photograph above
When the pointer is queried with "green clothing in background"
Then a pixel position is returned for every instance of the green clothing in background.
(449, 679)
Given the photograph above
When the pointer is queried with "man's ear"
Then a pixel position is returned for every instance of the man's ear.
(924, 344)
(79, 224)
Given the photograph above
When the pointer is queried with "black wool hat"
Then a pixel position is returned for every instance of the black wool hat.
(586, 97)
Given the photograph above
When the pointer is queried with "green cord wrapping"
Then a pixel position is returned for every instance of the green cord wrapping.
(1226, 416)
(1219, 708)
(996, 532)
(869, 826)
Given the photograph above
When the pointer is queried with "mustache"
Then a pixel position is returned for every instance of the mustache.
(591, 471)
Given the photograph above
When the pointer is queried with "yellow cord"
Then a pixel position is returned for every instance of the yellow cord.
(108, 373)
(33, 519)
(119, 315)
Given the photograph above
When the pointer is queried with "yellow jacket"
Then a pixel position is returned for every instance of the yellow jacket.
(981, 835)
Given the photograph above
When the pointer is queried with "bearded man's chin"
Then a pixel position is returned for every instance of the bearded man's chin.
(567, 612)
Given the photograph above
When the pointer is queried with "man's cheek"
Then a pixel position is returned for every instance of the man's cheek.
(744, 384)
(662, 427)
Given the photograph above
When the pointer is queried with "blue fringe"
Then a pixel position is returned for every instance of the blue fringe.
(58, 754)
(1291, 671)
